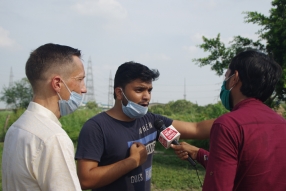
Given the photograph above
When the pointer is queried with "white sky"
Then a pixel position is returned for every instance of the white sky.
(161, 34)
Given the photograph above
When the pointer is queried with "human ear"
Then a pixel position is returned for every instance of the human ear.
(236, 76)
(56, 83)
(118, 93)
(235, 79)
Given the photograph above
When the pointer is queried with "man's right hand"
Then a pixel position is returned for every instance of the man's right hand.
(138, 152)
(93, 176)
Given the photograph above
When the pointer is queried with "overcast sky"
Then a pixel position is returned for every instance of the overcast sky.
(161, 34)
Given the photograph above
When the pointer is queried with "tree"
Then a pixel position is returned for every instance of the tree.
(273, 31)
(19, 95)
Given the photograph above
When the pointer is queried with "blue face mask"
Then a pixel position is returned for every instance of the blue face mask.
(133, 110)
(69, 106)
(225, 95)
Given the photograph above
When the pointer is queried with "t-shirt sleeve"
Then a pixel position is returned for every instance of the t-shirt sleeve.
(167, 121)
(222, 161)
(55, 168)
(90, 142)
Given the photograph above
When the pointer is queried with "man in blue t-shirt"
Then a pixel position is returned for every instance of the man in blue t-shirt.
(115, 148)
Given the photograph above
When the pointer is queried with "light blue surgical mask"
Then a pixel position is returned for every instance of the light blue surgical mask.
(225, 95)
(133, 110)
(69, 106)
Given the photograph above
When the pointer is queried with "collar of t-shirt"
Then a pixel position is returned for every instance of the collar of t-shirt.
(35, 107)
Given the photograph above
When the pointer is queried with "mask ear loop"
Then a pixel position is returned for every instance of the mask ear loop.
(124, 95)
(227, 80)
(59, 95)
(66, 86)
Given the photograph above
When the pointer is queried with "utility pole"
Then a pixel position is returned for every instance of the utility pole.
(11, 78)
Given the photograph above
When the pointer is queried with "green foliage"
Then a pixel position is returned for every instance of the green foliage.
(186, 111)
(273, 31)
(4, 115)
(73, 123)
(91, 105)
(220, 55)
(19, 95)
(11, 117)
(14, 116)
(179, 110)
(1, 152)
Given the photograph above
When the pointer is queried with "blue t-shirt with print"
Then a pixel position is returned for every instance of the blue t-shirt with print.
(108, 140)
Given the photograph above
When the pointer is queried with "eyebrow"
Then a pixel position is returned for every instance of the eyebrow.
(76, 77)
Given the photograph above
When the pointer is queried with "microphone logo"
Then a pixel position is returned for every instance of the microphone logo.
(168, 135)
(163, 141)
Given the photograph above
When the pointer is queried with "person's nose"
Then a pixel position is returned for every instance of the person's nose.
(147, 95)
(83, 88)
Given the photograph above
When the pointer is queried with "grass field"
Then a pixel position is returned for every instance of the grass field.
(1, 150)
(171, 173)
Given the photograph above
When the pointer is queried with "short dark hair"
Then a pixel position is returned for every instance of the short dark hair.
(50, 58)
(130, 71)
(258, 73)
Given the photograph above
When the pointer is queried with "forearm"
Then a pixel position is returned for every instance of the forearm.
(189, 130)
(104, 175)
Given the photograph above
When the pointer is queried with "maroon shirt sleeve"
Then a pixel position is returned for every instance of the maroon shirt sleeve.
(222, 160)
(202, 157)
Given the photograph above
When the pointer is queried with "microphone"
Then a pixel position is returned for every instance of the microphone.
(169, 136)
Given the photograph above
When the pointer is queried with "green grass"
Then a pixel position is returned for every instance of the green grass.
(171, 173)
(3, 117)
(1, 151)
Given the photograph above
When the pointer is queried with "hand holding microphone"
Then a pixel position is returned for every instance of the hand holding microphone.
(169, 136)
(184, 150)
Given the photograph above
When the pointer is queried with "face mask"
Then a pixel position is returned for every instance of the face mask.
(133, 110)
(69, 106)
(225, 95)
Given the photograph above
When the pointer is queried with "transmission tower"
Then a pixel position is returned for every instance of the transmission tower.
(89, 96)
(11, 78)
(110, 92)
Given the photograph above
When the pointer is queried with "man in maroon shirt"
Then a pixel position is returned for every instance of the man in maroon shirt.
(247, 145)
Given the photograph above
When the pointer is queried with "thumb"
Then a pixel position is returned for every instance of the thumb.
(134, 144)
(174, 146)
